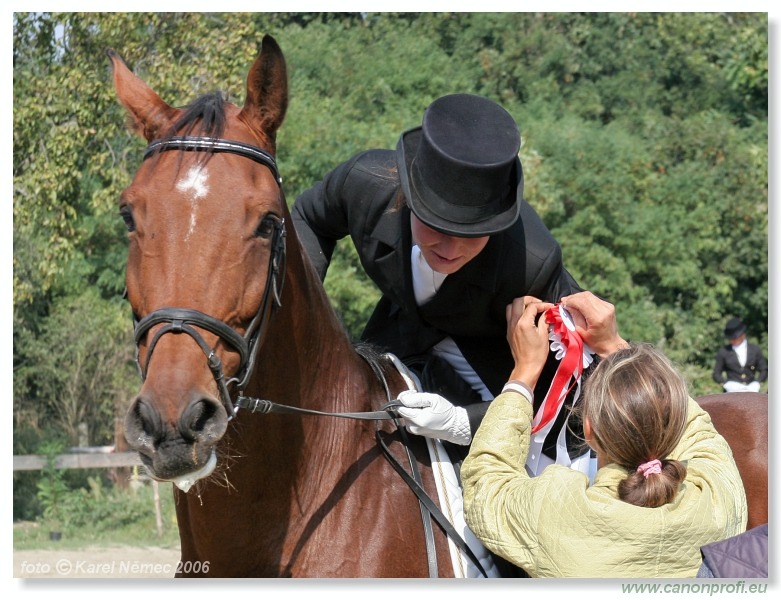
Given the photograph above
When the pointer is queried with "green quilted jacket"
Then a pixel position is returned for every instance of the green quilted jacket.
(557, 525)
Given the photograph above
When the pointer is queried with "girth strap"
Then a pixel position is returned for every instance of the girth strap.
(428, 528)
(415, 481)
(432, 508)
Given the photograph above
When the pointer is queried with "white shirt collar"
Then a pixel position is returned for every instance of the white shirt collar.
(425, 281)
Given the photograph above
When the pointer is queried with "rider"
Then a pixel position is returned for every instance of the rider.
(442, 228)
(744, 364)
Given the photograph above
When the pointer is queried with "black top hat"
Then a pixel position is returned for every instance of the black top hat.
(460, 171)
(734, 328)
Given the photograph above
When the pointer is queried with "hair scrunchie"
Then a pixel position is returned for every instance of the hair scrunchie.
(650, 467)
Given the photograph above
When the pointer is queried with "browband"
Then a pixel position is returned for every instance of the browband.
(207, 144)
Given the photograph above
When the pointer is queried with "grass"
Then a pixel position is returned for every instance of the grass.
(104, 517)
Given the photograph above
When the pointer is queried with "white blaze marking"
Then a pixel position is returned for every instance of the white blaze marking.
(195, 184)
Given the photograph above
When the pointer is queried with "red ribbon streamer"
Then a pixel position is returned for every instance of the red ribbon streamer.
(569, 367)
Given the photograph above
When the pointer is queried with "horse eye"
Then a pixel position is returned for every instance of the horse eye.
(266, 227)
(127, 217)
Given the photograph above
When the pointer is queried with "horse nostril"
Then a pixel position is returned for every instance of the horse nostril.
(204, 420)
(143, 425)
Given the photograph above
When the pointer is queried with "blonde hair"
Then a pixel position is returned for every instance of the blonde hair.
(636, 402)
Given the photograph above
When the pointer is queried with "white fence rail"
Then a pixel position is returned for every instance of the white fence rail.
(91, 458)
(78, 460)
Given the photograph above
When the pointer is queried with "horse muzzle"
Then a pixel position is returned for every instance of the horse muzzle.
(181, 451)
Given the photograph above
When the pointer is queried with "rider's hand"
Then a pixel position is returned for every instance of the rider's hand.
(432, 416)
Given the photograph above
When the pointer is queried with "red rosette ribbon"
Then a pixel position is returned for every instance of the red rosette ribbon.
(568, 372)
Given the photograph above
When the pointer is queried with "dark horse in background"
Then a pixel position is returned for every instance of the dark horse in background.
(229, 311)
(224, 297)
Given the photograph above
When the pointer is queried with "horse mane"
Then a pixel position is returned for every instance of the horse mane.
(205, 117)
(207, 113)
(376, 358)
(370, 353)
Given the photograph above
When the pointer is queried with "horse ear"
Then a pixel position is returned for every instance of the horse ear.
(266, 101)
(150, 116)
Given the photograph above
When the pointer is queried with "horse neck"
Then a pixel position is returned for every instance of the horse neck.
(307, 354)
(308, 361)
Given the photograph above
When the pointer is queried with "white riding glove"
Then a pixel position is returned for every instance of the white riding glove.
(432, 416)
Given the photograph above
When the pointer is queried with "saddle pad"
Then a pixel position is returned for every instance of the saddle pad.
(451, 500)
(452, 504)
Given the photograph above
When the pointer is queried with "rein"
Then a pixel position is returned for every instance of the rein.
(414, 480)
(264, 407)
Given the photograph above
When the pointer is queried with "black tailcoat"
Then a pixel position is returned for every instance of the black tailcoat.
(362, 198)
(727, 361)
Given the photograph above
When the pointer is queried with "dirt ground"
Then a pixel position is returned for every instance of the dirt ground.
(99, 563)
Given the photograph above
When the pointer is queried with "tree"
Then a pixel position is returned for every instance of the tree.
(644, 150)
(77, 366)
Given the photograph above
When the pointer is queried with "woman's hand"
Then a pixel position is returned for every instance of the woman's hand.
(595, 321)
(527, 334)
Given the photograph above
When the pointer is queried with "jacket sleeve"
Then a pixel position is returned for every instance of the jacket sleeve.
(320, 217)
(718, 369)
(499, 496)
(558, 283)
(476, 413)
(348, 201)
(700, 439)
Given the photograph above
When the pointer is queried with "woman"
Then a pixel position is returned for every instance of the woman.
(667, 482)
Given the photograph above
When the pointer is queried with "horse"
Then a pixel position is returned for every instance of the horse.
(232, 318)
(742, 419)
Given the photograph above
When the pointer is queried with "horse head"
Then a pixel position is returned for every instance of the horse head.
(205, 217)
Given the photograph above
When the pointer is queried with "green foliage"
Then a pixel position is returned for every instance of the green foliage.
(645, 150)
(97, 513)
(352, 293)
(51, 486)
(78, 364)
(102, 508)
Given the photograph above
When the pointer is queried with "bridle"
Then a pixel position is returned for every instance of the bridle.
(185, 320)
